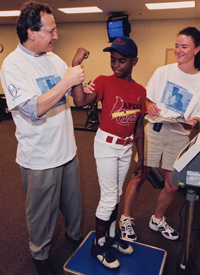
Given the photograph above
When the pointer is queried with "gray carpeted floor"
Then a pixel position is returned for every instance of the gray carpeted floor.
(15, 258)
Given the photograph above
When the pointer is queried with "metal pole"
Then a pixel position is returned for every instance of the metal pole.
(191, 196)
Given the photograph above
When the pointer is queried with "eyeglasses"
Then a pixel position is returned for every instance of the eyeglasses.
(51, 32)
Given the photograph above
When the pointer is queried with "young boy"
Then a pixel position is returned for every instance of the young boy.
(123, 108)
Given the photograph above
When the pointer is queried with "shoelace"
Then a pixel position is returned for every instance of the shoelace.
(165, 225)
(128, 224)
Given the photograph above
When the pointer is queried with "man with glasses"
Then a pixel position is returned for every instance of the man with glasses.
(36, 82)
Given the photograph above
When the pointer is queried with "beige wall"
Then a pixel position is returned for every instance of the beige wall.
(152, 38)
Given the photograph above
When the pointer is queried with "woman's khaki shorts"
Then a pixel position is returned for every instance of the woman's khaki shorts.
(162, 146)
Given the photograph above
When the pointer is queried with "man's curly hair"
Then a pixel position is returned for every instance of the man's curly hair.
(30, 18)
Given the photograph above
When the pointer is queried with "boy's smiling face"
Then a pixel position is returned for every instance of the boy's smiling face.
(122, 66)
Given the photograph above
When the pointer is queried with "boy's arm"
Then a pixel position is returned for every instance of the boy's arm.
(140, 148)
(80, 98)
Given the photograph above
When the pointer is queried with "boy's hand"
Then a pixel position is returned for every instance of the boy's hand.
(138, 170)
(80, 55)
(89, 89)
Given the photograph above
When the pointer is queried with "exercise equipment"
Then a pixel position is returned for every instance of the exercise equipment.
(92, 121)
(187, 174)
(4, 112)
(156, 178)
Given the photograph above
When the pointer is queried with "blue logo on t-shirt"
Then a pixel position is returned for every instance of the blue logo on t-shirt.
(13, 91)
(176, 98)
(47, 83)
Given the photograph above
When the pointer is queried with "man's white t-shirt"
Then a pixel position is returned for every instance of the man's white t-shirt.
(48, 142)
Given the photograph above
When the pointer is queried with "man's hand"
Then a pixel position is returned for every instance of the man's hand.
(80, 55)
(75, 75)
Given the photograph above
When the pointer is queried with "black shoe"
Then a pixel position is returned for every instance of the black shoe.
(44, 267)
(74, 243)
(102, 253)
(119, 245)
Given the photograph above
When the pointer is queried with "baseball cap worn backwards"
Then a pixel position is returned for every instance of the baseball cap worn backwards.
(124, 45)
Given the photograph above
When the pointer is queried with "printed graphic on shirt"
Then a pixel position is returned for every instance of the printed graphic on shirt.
(176, 98)
(125, 113)
(13, 91)
(48, 82)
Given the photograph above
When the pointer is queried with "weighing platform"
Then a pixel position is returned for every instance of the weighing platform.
(144, 260)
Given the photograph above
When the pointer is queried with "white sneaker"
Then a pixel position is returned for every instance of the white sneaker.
(162, 226)
(126, 228)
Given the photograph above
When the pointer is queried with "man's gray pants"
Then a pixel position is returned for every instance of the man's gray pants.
(47, 191)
